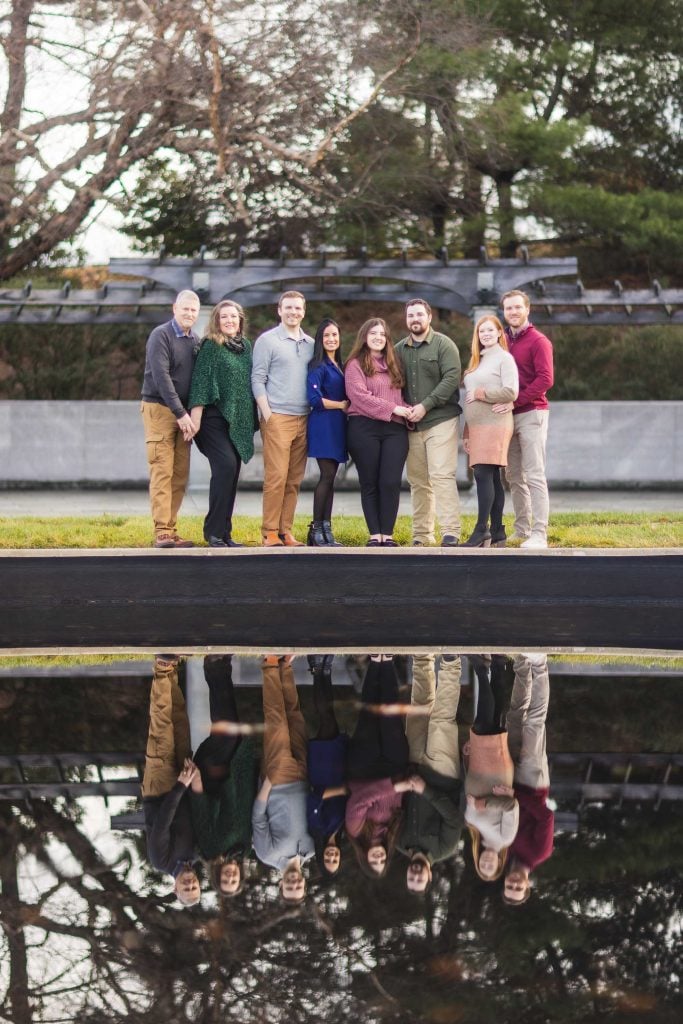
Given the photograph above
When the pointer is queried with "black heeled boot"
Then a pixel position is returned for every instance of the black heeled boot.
(316, 537)
(498, 536)
(480, 538)
(329, 536)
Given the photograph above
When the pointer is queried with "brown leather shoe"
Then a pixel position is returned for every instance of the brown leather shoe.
(272, 540)
(290, 541)
(164, 540)
(178, 542)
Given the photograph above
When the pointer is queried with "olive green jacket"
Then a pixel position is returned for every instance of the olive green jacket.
(432, 372)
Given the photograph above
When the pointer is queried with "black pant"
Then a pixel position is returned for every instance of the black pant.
(214, 754)
(379, 451)
(378, 748)
(213, 441)
(489, 717)
(490, 495)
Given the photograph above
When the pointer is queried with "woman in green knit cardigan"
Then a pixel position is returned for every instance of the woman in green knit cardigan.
(222, 407)
(224, 789)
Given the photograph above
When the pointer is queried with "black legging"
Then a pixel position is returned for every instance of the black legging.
(323, 496)
(379, 450)
(490, 495)
(378, 748)
(214, 754)
(213, 441)
(323, 700)
(490, 714)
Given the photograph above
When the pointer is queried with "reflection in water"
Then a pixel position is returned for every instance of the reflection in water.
(337, 878)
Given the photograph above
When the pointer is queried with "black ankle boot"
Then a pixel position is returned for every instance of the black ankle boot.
(329, 536)
(315, 663)
(498, 536)
(480, 538)
(316, 537)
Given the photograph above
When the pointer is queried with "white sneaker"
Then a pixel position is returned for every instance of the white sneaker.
(534, 542)
(539, 660)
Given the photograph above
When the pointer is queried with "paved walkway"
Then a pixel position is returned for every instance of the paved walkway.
(347, 503)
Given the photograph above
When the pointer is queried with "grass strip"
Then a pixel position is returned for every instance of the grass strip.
(567, 530)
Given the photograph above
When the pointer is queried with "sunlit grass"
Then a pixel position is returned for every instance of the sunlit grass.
(571, 529)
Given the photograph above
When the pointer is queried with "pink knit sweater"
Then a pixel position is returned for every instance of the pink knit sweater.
(374, 396)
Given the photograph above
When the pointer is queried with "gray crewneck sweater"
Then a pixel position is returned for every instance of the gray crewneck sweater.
(279, 370)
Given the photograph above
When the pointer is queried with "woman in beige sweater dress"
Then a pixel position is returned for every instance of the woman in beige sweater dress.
(492, 812)
(490, 379)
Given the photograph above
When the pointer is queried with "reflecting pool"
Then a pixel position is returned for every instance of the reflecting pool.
(448, 838)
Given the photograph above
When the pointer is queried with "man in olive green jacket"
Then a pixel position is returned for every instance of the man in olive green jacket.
(431, 363)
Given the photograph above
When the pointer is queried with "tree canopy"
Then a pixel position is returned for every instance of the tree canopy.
(346, 122)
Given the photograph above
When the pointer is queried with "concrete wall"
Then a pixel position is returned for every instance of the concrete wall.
(591, 444)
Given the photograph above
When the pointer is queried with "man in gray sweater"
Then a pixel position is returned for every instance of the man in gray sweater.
(280, 831)
(278, 380)
(171, 351)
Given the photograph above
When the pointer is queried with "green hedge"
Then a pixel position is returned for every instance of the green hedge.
(106, 362)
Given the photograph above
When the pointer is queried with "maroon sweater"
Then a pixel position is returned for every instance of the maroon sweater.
(534, 840)
(533, 353)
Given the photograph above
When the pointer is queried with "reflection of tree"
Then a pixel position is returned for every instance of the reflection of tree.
(92, 938)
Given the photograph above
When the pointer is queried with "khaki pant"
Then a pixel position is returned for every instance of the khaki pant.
(526, 473)
(526, 722)
(433, 738)
(168, 740)
(168, 457)
(431, 467)
(284, 465)
(284, 739)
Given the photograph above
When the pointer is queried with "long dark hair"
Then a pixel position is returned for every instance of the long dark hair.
(362, 353)
(363, 841)
(319, 353)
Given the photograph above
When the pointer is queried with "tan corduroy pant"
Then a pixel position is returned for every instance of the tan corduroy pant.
(433, 738)
(526, 721)
(168, 457)
(284, 465)
(284, 739)
(431, 468)
(526, 473)
(168, 740)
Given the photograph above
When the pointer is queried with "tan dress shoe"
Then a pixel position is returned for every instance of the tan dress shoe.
(290, 541)
(272, 540)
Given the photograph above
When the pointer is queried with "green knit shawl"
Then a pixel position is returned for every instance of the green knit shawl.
(223, 822)
(223, 378)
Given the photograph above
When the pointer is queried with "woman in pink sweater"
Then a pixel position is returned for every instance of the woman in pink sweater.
(377, 765)
(377, 434)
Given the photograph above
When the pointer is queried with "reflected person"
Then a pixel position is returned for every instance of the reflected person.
(167, 775)
(432, 815)
(279, 830)
(377, 768)
(526, 720)
(326, 805)
(224, 789)
(492, 812)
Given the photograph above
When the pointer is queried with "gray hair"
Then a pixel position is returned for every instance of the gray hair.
(186, 293)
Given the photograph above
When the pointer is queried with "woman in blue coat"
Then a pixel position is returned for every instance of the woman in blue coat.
(326, 427)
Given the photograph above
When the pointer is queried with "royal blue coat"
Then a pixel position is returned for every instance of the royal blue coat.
(326, 427)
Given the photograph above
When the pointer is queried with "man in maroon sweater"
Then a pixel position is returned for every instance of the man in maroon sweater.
(526, 737)
(533, 354)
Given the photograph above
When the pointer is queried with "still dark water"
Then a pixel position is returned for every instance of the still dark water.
(92, 932)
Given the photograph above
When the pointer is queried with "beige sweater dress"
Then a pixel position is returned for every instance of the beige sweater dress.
(489, 432)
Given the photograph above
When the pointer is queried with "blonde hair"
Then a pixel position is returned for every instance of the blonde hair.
(214, 329)
(475, 358)
(475, 836)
